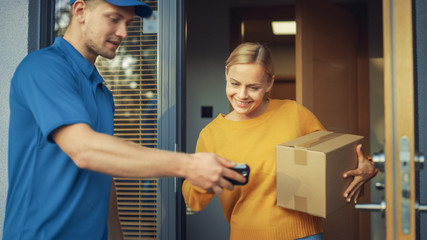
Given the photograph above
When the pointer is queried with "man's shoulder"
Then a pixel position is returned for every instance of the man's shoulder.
(43, 62)
(46, 57)
(42, 65)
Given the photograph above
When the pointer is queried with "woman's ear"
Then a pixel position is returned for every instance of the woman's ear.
(271, 83)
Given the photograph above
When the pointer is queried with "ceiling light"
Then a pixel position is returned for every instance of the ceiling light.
(284, 27)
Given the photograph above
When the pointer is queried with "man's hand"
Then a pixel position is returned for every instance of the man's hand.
(364, 172)
(207, 171)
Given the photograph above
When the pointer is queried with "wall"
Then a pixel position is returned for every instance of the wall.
(14, 29)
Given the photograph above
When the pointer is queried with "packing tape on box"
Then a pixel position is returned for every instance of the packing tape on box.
(317, 141)
(300, 203)
(300, 156)
(301, 149)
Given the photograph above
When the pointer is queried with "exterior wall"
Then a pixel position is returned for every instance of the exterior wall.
(14, 29)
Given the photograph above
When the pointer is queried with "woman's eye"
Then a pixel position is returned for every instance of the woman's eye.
(255, 88)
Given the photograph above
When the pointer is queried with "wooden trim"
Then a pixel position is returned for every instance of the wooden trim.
(304, 83)
(388, 122)
(399, 109)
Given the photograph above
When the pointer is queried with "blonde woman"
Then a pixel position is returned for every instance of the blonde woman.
(249, 134)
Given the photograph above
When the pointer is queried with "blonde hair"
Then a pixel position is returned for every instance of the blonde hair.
(249, 52)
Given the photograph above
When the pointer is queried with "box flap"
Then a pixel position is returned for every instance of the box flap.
(306, 139)
(338, 141)
(322, 141)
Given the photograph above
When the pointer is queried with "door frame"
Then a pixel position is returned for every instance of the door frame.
(171, 114)
(399, 120)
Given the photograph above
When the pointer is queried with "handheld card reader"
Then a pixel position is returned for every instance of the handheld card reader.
(243, 170)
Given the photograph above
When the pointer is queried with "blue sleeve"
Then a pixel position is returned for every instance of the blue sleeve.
(49, 88)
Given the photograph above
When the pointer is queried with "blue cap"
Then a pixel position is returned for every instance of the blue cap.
(141, 9)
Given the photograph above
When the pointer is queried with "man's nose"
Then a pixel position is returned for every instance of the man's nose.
(122, 31)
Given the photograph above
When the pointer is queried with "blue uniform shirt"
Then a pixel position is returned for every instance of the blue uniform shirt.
(49, 197)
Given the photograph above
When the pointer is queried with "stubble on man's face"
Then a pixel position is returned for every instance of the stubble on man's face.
(99, 34)
(98, 50)
(97, 40)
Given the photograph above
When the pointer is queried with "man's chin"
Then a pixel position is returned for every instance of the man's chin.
(109, 56)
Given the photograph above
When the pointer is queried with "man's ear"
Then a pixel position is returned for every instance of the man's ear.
(78, 9)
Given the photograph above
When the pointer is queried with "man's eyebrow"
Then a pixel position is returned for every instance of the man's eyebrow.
(121, 16)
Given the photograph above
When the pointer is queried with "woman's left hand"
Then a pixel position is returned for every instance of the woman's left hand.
(363, 173)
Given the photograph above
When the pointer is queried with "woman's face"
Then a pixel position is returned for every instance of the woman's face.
(246, 87)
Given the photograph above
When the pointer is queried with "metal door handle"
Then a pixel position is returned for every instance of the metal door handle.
(372, 207)
(381, 207)
(379, 185)
(419, 161)
(420, 208)
(379, 160)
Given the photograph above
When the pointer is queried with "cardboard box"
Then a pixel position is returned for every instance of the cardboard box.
(309, 171)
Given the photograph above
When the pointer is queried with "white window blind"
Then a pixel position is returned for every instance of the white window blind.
(132, 78)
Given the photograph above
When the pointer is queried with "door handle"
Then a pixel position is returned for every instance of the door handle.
(379, 185)
(372, 206)
(419, 161)
(379, 160)
(420, 208)
(382, 206)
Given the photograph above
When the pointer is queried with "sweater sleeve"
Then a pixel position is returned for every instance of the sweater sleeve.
(197, 198)
(308, 121)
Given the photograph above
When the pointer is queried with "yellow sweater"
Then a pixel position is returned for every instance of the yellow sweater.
(251, 209)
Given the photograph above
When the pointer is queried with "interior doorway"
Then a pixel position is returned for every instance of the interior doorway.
(254, 24)
(210, 38)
